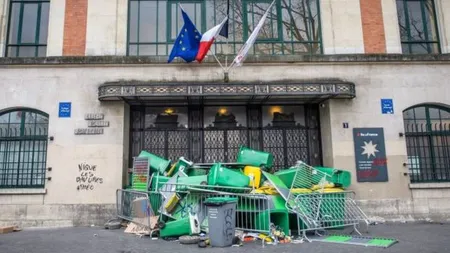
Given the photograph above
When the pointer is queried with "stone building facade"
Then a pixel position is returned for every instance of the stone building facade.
(85, 84)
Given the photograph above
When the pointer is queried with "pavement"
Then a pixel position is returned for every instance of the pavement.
(413, 237)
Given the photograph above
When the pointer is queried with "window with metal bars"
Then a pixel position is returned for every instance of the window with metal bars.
(292, 26)
(418, 26)
(427, 132)
(27, 28)
(23, 148)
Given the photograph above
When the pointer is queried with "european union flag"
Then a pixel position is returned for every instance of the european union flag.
(188, 41)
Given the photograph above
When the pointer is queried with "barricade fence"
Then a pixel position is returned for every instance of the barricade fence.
(320, 211)
(179, 201)
(134, 206)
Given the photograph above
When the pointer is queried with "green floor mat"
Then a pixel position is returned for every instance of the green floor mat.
(381, 242)
(337, 238)
(356, 240)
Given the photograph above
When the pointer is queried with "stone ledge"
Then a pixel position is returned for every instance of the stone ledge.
(429, 185)
(139, 60)
(23, 191)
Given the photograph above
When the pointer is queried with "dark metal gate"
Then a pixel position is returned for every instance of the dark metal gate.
(288, 143)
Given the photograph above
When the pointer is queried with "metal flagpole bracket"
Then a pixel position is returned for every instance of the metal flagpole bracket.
(226, 78)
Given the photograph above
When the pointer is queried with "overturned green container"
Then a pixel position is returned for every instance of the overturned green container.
(222, 176)
(255, 158)
(176, 228)
(340, 178)
(157, 164)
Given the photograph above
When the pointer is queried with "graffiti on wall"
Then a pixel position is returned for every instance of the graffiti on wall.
(87, 179)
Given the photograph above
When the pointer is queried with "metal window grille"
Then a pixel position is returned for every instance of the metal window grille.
(427, 132)
(23, 149)
(418, 26)
(28, 28)
(293, 26)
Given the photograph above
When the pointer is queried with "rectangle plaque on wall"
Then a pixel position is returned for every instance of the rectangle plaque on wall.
(370, 155)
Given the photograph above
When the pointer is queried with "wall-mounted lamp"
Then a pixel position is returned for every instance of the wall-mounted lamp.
(49, 178)
(49, 168)
(51, 138)
(400, 134)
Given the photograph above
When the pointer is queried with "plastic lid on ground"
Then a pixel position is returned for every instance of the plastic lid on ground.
(217, 201)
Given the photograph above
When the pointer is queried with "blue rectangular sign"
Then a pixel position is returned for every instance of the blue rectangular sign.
(387, 106)
(65, 108)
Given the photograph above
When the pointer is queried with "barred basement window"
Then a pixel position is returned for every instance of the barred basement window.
(418, 26)
(23, 148)
(28, 28)
(292, 27)
(427, 131)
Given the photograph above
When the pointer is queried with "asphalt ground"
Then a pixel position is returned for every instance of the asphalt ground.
(412, 237)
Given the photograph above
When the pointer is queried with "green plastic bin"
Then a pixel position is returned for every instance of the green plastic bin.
(182, 164)
(176, 228)
(157, 164)
(197, 172)
(222, 176)
(340, 178)
(255, 158)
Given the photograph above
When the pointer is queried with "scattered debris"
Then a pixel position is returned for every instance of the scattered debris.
(8, 229)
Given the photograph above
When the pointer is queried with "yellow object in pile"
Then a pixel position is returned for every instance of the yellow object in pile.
(317, 187)
(265, 237)
(331, 190)
(301, 190)
(169, 173)
(266, 189)
(172, 203)
(254, 173)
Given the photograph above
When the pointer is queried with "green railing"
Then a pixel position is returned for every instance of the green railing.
(292, 26)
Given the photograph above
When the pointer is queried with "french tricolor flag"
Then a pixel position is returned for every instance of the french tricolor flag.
(208, 39)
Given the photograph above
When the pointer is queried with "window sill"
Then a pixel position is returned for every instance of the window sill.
(23, 191)
(429, 185)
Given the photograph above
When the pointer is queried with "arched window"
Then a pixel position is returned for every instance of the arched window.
(23, 148)
(427, 131)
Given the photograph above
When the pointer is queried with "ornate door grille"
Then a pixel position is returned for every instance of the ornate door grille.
(287, 144)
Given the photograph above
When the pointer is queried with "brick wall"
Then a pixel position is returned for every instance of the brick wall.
(373, 26)
(75, 27)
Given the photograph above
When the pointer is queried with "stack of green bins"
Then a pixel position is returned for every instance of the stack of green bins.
(340, 178)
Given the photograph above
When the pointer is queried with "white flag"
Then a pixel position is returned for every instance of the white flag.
(240, 57)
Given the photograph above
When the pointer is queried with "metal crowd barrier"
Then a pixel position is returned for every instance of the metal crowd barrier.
(177, 201)
(320, 211)
(134, 206)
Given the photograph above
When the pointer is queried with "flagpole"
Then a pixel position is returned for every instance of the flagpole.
(250, 41)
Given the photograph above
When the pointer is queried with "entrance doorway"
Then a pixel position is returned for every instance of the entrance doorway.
(215, 133)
